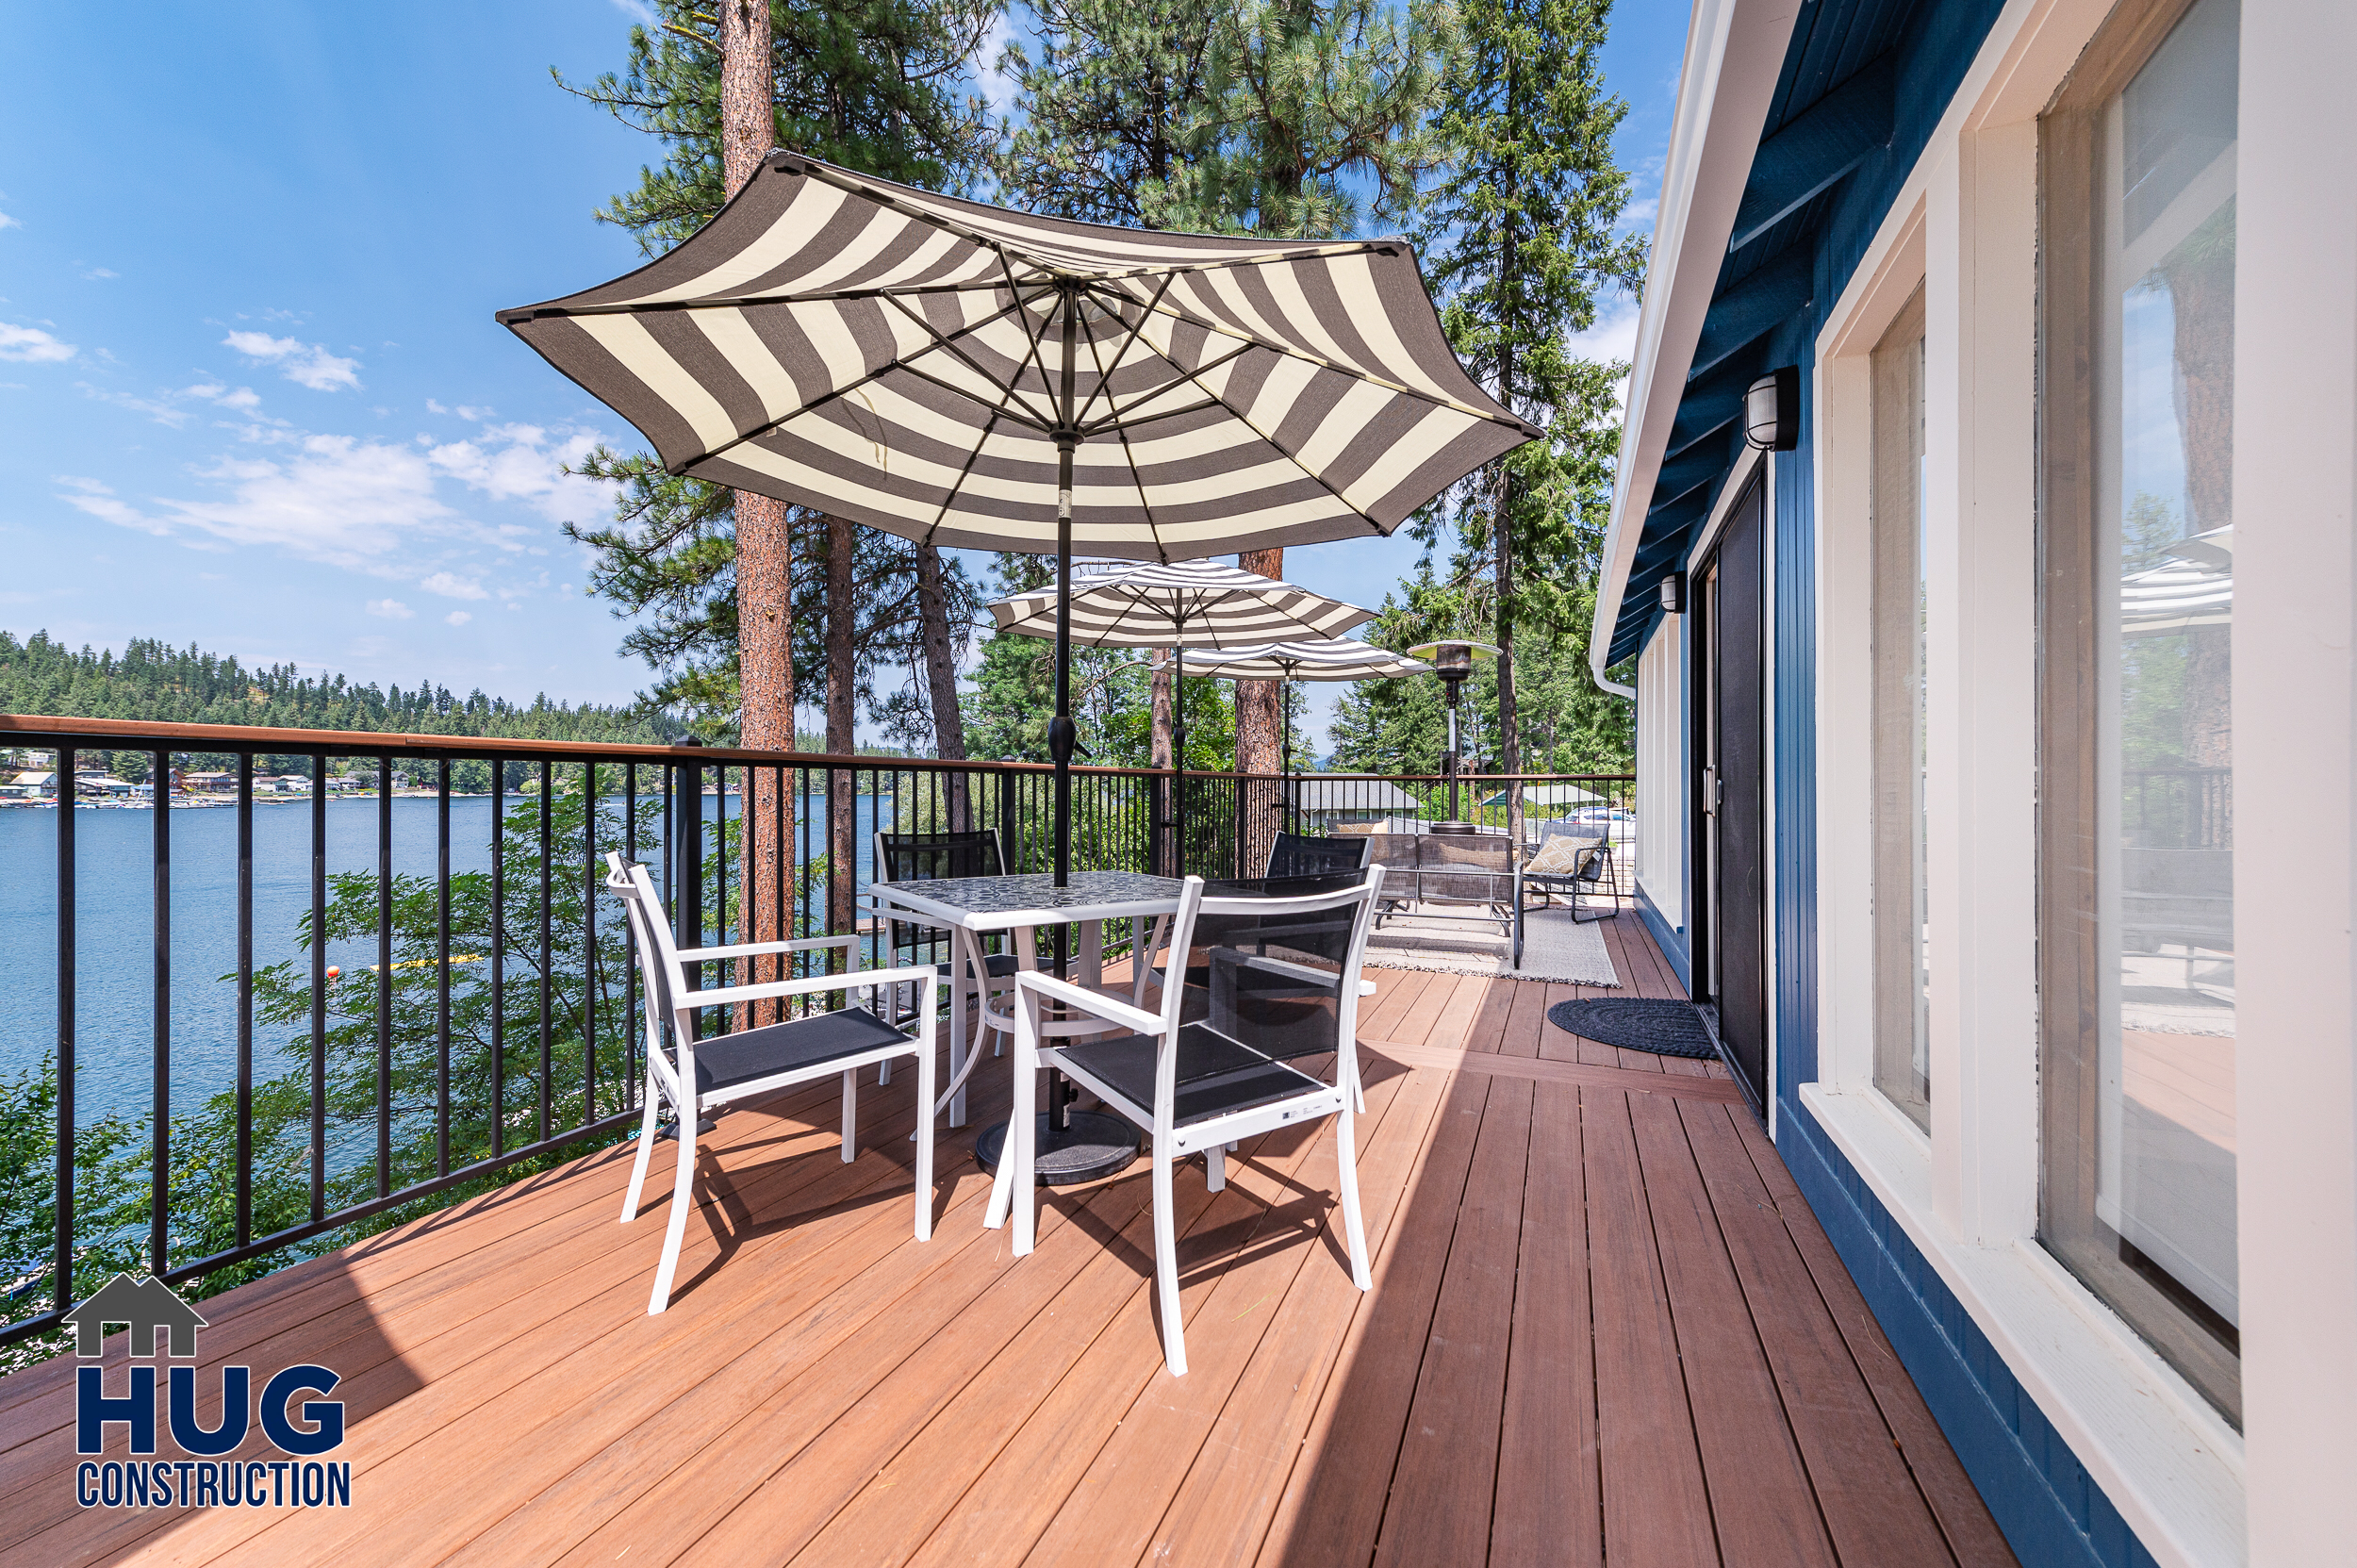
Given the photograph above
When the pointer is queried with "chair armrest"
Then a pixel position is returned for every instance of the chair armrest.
(1325, 979)
(747, 949)
(857, 980)
(1086, 1000)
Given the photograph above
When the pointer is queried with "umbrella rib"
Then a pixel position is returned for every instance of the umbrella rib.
(1270, 437)
(946, 345)
(1104, 382)
(1129, 457)
(1023, 320)
(1290, 352)
(837, 394)
(1116, 417)
(947, 501)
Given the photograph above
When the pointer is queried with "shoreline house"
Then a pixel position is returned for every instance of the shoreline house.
(1983, 541)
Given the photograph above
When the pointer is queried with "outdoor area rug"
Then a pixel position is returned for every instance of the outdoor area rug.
(1553, 948)
(1655, 1024)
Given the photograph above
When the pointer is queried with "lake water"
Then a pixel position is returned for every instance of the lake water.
(115, 903)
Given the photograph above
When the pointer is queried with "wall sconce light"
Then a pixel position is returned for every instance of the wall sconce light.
(1772, 411)
(1673, 593)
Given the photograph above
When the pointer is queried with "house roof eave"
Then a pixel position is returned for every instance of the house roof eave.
(1735, 52)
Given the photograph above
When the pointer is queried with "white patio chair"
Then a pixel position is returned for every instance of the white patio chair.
(703, 1075)
(1197, 1085)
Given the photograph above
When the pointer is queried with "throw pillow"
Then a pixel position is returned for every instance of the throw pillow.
(1559, 857)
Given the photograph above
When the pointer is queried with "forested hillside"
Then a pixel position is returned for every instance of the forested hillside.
(154, 683)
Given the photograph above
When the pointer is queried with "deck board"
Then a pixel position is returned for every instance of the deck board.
(1604, 1328)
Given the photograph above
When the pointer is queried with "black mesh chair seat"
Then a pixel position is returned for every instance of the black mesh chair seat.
(1217, 1076)
(727, 1059)
(1296, 854)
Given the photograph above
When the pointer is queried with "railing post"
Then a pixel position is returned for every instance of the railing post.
(690, 905)
(63, 779)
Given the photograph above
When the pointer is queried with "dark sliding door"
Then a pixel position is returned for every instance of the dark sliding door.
(1732, 978)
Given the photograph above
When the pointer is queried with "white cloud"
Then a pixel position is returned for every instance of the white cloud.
(31, 345)
(97, 273)
(1613, 337)
(9, 223)
(640, 12)
(306, 364)
(391, 610)
(217, 392)
(456, 618)
(524, 463)
(100, 501)
(162, 413)
(450, 585)
(336, 499)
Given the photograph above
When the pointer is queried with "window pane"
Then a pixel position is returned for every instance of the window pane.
(2137, 783)
(1901, 929)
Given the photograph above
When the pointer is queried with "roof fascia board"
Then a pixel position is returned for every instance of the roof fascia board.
(1735, 52)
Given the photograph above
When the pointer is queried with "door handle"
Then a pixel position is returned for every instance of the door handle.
(1710, 791)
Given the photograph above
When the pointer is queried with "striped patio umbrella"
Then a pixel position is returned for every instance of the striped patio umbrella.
(1170, 604)
(964, 375)
(1326, 659)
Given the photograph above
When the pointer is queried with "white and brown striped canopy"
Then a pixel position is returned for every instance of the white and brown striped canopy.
(1327, 659)
(897, 356)
(1161, 604)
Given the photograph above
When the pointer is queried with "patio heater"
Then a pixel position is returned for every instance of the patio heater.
(1453, 663)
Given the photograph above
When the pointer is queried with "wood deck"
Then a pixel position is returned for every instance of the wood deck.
(1604, 1328)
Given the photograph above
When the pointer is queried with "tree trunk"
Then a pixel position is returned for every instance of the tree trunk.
(1260, 741)
(842, 671)
(1509, 737)
(941, 679)
(1509, 729)
(765, 545)
(1166, 854)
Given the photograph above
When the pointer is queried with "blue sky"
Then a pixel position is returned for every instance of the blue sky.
(250, 392)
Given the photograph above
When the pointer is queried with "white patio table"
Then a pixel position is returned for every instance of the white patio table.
(1087, 1145)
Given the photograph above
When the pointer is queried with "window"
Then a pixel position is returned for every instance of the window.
(2136, 918)
(1902, 976)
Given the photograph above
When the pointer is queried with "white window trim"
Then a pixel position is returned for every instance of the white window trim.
(1965, 224)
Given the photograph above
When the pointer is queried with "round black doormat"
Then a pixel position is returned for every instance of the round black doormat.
(1656, 1024)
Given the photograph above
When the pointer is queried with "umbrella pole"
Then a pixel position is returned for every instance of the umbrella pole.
(1178, 754)
(1285, 758)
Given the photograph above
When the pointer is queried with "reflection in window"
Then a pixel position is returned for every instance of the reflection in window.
(1902, 929)
(2138, 789)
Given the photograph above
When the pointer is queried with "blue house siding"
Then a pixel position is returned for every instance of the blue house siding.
(2040, 1493)
(2052, 1511)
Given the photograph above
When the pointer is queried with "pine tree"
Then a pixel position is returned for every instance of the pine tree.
(1298, 119)
(874, 85)
(1519, 243)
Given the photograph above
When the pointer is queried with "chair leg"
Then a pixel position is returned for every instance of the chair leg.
(682, 1199)
(850, 1116)
(1215, 1168)
(884, 1071)
(1016, 1166)
(648, 1127)
(1167, 1262)
(1354, 1229)
(925, 1132)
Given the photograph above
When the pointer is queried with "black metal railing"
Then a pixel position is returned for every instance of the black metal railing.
(422, 988)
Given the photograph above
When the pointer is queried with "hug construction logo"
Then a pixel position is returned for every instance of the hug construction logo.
(163, 1327)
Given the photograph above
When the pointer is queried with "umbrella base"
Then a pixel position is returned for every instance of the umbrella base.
(1094, 1146)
